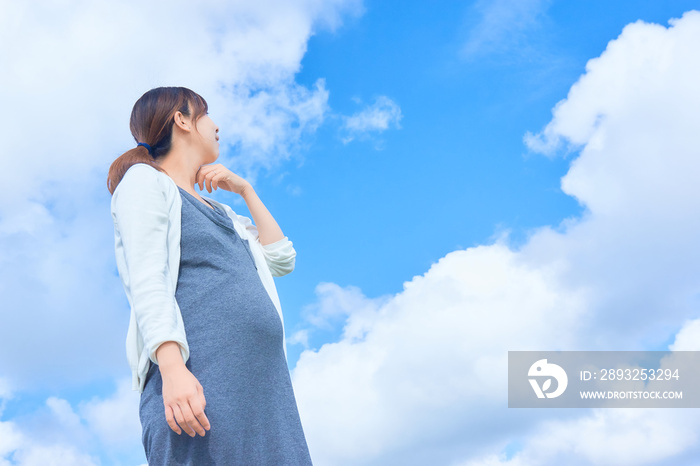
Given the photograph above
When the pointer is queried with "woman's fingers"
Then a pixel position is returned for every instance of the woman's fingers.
(188, 412)
(181, 420)
(189, 416)
(213, 177)
(203, 419)
(199, 420)
(170, 418)
(202, 176)
(205, 176)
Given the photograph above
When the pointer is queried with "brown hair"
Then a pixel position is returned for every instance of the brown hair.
(152, 120)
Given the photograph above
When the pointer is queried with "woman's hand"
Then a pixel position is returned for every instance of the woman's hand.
(183, 397)
(218, 176)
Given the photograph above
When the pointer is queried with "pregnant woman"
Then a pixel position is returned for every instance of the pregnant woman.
(206, 341)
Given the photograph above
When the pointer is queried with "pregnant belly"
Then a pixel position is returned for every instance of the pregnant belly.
(228, 316)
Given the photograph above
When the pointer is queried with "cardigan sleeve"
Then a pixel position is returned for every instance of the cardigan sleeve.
(141, 214)
(280, 255)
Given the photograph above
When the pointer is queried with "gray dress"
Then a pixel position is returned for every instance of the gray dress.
(235, 339)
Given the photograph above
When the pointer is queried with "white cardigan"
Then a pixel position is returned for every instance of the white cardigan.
(146, 209)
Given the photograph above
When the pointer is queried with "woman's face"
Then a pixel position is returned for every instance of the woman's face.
(210, 137)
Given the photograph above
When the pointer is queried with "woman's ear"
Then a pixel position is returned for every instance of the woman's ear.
(183, 122)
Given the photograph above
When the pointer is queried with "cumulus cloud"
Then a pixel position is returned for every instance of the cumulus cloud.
(335, 303)
(383, 114)
(431, 359)
(58, 433)
(114, 420)
(619, 437)
(52, 435)
(426, 381)
(54, 455)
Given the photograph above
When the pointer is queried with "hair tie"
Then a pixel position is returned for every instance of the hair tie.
(150, 151)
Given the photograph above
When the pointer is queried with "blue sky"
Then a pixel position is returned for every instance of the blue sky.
(459, 179)
(457, 169)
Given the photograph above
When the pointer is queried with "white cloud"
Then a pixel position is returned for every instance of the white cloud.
(59, 434)
(299, 337)
(615, 437)
(383, 114)
(335, 303)
(115, 420)
(54, 455)
(502, 25)
(688, 337)
(52, 436)
(426, 382)
(431, 359)
(10, 440)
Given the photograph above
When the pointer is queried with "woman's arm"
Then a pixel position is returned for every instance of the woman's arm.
(141, 216)
(277, 249)
(268, 229)
(168, 355)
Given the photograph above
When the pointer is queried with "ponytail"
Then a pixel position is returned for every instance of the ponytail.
(131, 157)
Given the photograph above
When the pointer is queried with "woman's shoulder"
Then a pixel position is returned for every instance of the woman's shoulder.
(144, 176)
(142, 183)
(141, 169)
